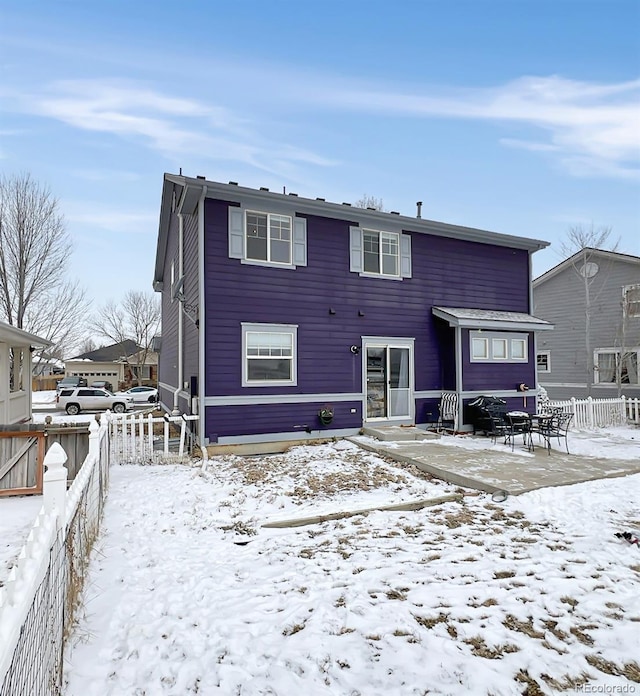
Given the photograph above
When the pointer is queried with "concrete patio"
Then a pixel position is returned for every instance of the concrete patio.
(496, 467)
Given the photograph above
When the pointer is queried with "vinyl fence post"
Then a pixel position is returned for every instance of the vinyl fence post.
(54, 482)
(94, 444)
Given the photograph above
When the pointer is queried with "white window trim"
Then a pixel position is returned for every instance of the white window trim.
(268, 261)
(547, 353)
(381, 274)
(625, 290)
(291, 329)
(617, 351)
(485, 343)
(501, 358)
(489, 337)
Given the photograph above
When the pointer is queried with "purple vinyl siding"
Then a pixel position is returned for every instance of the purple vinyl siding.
(260, 419)
(333, 311)
(168, 359)
(191, 289)
(237, 293)
(446, 272)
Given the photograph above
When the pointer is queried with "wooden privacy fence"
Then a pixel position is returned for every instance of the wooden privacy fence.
(589, 413)
(22, 452)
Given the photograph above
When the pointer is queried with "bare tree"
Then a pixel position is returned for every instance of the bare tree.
(581, 243)
(370, 202)
(35, 292)
(136, 318)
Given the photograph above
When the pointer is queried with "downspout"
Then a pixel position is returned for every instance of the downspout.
(176, 408)
(459, 375)
(203, 441)
(535, 335)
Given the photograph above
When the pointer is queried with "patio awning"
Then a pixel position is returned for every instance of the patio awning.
(491, 319)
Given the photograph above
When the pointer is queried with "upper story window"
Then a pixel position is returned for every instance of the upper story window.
(498, 347)
(267, 238)
(269, 355)
(380, 253)
(631, 300)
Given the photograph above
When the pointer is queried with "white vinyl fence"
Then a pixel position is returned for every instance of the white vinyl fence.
(589, 413)
(37, 602)
(143, 438)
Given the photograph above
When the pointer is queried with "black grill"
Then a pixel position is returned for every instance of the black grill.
(478, 412)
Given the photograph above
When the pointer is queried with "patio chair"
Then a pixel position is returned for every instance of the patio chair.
(496, 423)
(448, 412)
(518, 423)
(557, 426)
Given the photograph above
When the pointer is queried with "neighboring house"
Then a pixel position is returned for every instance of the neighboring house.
(46, 366)
(117, 363)
(16, 347)
(566, 364)
(284, 316)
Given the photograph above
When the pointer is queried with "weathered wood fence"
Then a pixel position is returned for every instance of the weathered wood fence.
(22, 452)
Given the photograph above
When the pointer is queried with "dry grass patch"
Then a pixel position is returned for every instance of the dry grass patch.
(525, 627)
(566, 682)
(481, 649)
(431, 621)
(532, 686)
(552, 627)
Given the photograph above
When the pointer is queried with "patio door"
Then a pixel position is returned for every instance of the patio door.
(388, 375)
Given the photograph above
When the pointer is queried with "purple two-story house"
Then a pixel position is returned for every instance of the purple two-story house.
(288, 318)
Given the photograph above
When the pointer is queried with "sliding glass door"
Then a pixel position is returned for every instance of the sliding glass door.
(388, 382)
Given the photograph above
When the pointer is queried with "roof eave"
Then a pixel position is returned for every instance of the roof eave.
(343, 211)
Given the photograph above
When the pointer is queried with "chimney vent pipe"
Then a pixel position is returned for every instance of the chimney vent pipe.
(419, 214)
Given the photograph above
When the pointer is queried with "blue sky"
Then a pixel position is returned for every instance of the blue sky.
(516, 116)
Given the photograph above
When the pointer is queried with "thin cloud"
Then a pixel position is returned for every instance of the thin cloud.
(592, 127)
(172, 126)
(111, 221)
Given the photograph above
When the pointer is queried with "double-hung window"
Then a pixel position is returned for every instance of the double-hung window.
(380, 253)
(269, 355)
(267, 238)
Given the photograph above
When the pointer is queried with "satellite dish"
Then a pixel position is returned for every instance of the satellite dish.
(589, 270)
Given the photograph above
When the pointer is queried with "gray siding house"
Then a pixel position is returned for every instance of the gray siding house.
(287, 318)
(602, 361)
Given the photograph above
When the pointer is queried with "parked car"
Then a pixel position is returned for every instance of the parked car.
(141, 395)
(103, 384)
(90, 399)
(68, 382)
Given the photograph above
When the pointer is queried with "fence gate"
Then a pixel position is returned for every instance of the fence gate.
(21, 458)
(141, 437)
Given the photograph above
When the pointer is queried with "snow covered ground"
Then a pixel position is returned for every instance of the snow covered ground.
(189, 594)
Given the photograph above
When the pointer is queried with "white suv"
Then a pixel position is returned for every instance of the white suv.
(91, 399)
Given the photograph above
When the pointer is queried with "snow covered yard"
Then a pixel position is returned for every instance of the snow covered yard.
(189, 595)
